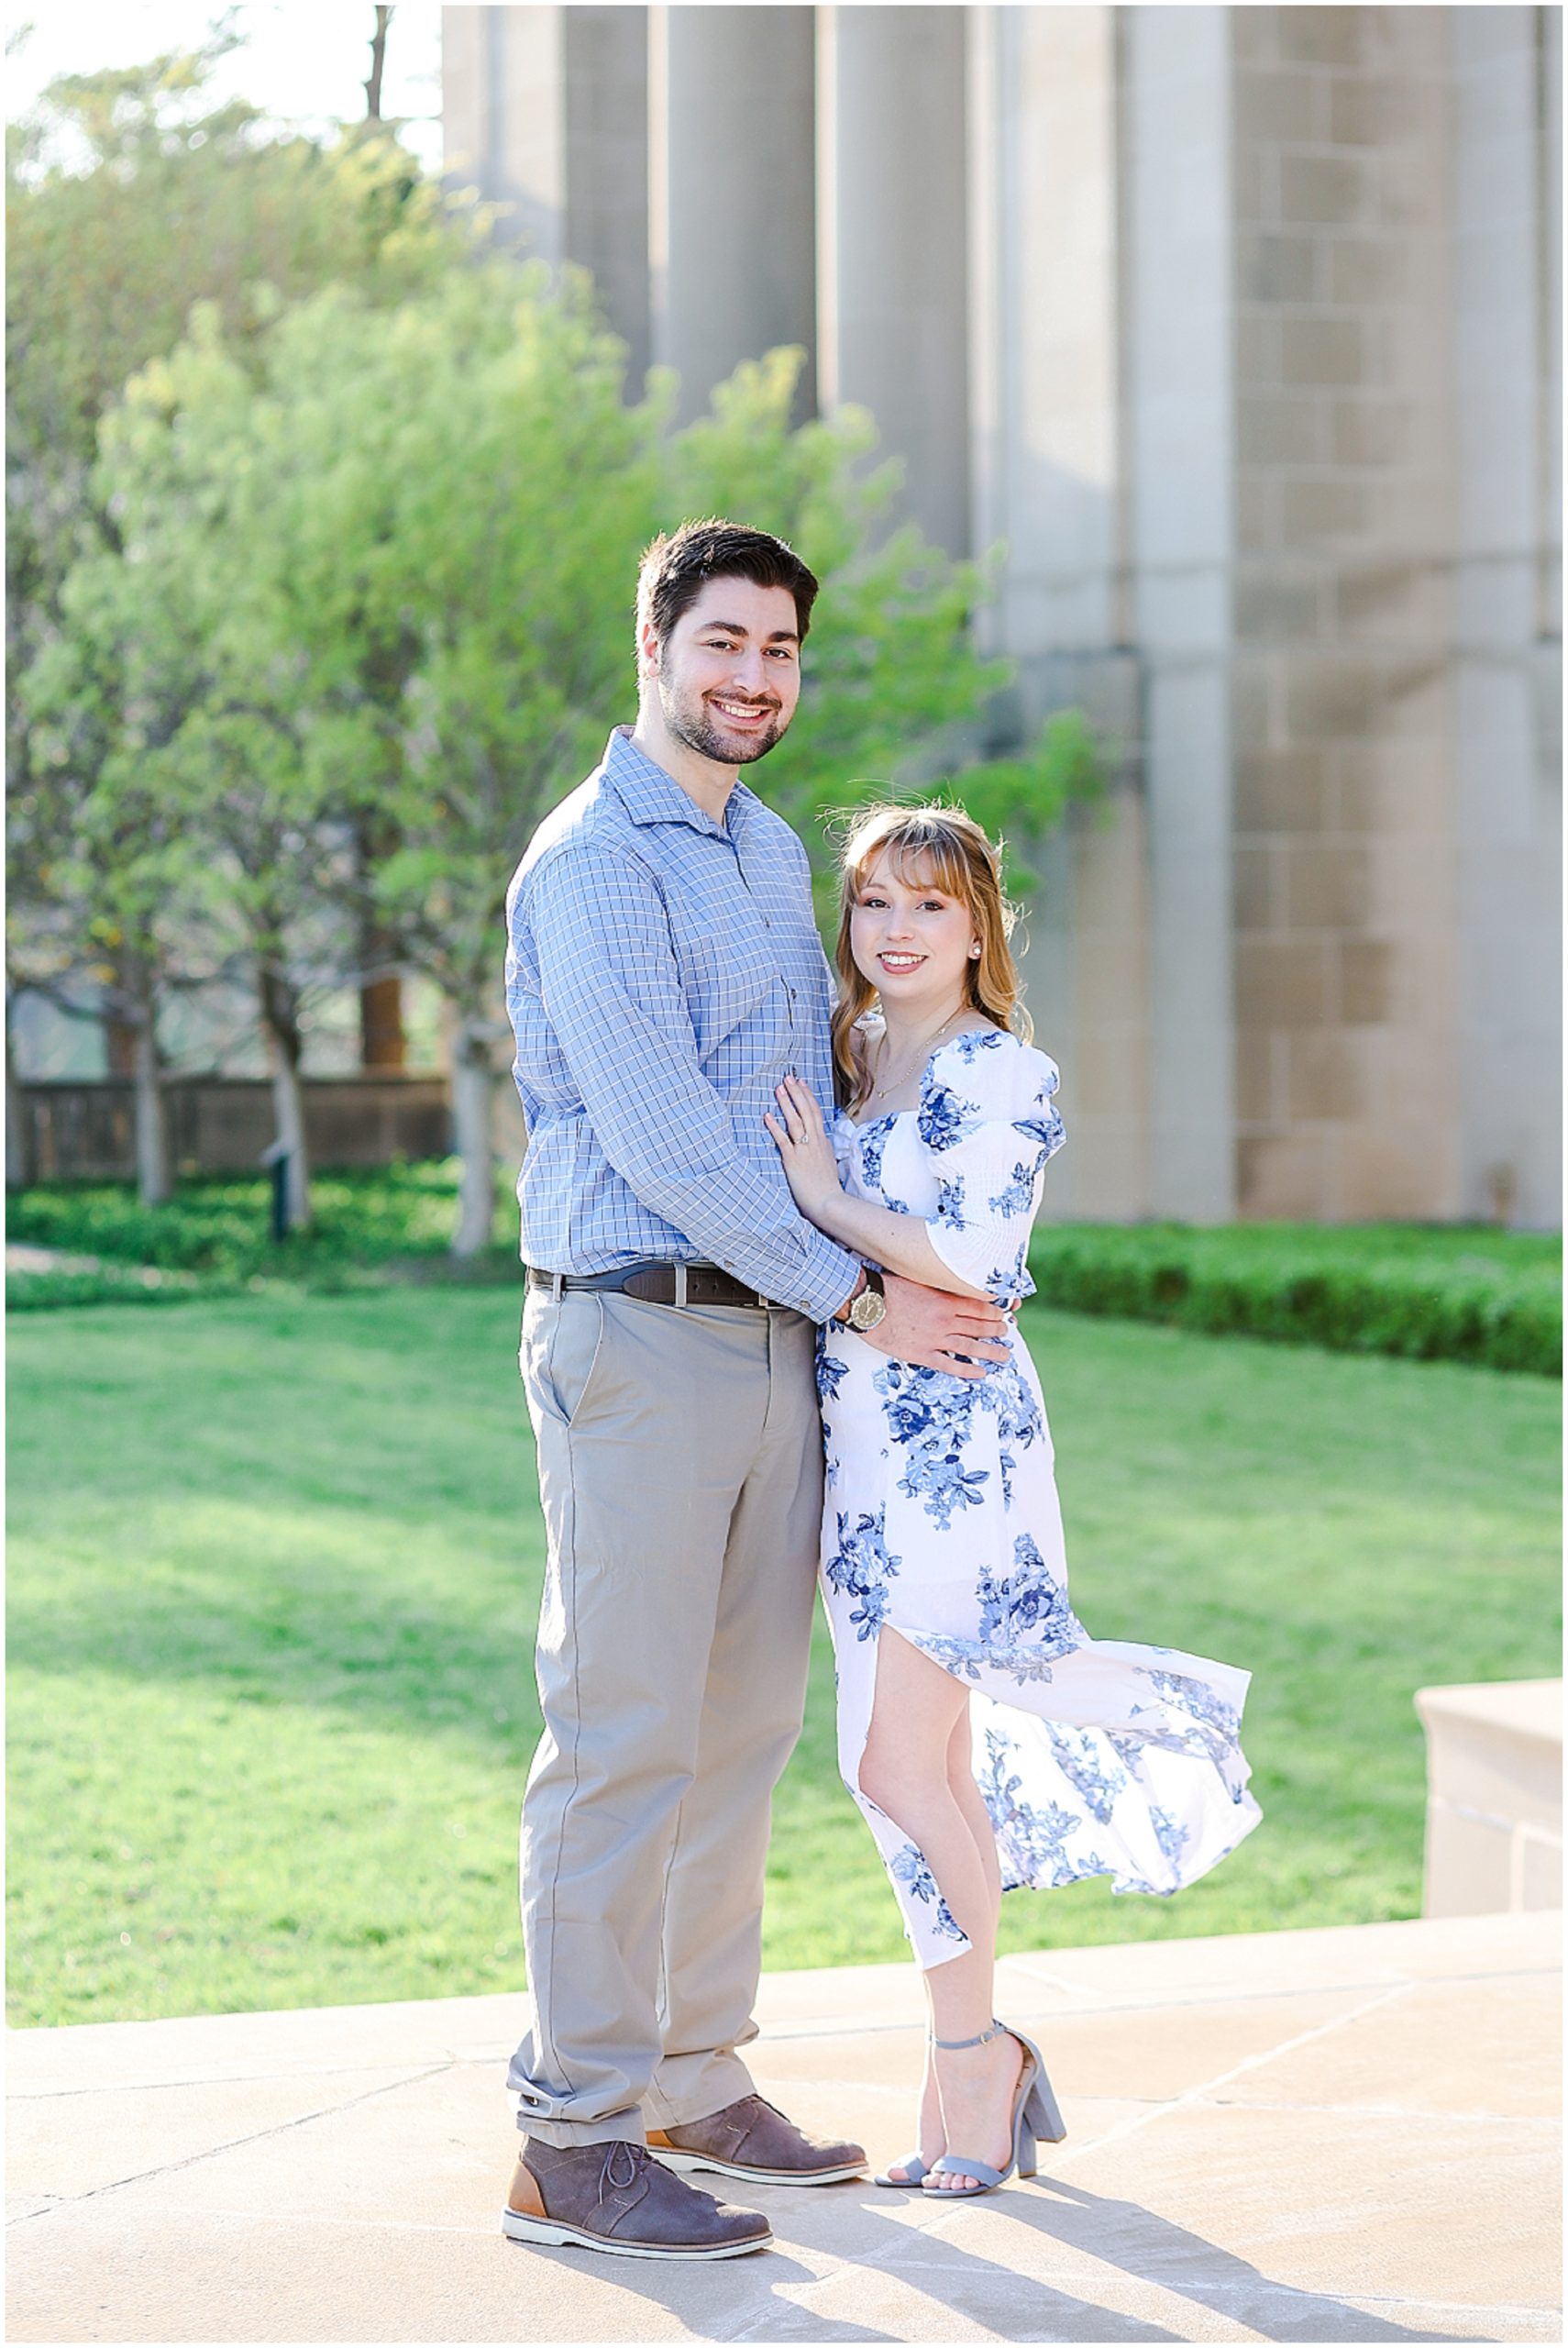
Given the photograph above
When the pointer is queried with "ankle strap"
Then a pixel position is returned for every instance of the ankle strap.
(956, 2046)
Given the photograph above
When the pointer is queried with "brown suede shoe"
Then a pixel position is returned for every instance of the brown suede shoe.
(613, 2197)
(753, 2140)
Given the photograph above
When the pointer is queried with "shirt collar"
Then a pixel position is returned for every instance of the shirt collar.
(651, 796)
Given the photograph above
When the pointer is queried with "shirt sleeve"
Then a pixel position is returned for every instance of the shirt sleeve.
(987, 1124)
(610, 987)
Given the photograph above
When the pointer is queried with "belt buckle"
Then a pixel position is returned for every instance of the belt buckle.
(679, 1287)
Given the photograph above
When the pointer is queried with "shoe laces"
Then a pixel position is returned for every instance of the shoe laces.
(623, 2154)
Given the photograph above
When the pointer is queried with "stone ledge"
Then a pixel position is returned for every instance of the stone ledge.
(1494, 1796)
(1333, 2135)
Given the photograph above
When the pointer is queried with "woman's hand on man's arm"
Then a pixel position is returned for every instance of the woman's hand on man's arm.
(924, 1323)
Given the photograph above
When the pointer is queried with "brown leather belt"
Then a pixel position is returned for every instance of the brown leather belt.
(656, 1283)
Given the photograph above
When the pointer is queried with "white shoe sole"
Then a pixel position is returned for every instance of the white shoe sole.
(518, 2228)
(677, 2160)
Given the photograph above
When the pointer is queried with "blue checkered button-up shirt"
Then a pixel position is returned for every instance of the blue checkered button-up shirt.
(663, 972)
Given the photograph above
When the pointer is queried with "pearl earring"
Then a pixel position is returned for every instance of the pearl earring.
(974, 953)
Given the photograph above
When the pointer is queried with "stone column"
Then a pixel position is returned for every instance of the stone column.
(1180, 324)
(1046, 392)
(1344, 872)
(731, 192)
(893, 329)
(607, 167)
(1045, 375)
(1507, 788)
(503, 109)
(545, 113)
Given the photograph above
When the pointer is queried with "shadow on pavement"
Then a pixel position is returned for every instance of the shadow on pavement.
(1011, 2305)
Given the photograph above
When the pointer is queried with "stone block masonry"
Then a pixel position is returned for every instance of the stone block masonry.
(1235, 330)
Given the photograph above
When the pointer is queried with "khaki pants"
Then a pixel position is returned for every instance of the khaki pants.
(681, 1475)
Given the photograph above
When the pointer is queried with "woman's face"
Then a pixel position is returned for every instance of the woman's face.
(911, 940)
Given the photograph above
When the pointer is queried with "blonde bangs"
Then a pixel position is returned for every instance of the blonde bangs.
(923, 855)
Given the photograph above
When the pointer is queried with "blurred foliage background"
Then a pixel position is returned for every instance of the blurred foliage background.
(325, 521)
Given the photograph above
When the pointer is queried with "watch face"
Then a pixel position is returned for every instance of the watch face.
(868, 1310)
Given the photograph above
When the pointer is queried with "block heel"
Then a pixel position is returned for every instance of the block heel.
(1036, 2117)
(1042, 2111)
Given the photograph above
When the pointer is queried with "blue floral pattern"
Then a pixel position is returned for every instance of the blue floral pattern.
(1201, 1704)
(1046, 1129)
(1019, 1420)
(1083, 1763)
(1026, 1666)
(1031, 1837)
(942, 1118)
(970, 1047)
(942, 1526)
(873, 1140)
(862, 1567)
(909, 1868)
(1028, 1604)
(1017, 1196)
(928, 1413)
(1172, 1838)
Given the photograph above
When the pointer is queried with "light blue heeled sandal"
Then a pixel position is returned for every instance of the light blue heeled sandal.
(913, 2168)
(1036, 2118)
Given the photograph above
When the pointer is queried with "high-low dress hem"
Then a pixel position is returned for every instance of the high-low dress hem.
(1093, 1758)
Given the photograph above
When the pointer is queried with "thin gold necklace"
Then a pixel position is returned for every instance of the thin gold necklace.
(893, 1082)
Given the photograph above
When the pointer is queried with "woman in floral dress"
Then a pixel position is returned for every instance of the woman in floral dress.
(990, 1742)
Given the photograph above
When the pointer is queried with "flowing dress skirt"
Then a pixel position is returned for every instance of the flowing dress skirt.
(942, 1526)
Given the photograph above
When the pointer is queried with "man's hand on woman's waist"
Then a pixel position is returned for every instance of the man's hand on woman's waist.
(960, 1334)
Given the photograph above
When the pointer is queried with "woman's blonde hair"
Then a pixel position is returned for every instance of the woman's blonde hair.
(946, 848)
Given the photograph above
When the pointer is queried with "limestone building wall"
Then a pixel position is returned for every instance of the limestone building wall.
(1239, 328)
(1343, 689)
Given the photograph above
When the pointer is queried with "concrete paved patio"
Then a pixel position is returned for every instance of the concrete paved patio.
(1308, 2136)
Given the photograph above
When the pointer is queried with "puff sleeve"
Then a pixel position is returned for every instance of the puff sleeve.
(986, 1125)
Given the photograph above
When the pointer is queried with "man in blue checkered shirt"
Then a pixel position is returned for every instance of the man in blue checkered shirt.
(663, 975)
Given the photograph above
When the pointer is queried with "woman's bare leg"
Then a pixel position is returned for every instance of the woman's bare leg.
(970, 1800)
(915, 1768)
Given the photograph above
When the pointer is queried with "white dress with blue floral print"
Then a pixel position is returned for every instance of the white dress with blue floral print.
(1094, 1756)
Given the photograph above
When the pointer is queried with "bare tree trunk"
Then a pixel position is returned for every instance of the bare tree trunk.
(18, 1125)
(153, 1179)
(119, 1041)
(473, 1100)
(377, 66)
(281, 1026)
(382, 1041)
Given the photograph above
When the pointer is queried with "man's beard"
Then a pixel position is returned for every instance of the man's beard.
(686, 714)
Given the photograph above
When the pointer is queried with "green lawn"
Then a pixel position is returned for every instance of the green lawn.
(273, 1570)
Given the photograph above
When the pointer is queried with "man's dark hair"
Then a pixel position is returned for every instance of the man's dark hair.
(675, 570)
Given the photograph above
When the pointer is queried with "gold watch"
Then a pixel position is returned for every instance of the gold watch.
(870, 1306)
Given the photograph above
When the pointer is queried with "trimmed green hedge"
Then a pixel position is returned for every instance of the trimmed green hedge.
(371, 1226)
(1428, 1291)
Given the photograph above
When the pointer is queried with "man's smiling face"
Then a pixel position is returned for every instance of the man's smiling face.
(728, 674)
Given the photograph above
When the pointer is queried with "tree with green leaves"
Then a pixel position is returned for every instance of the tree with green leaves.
(895, 698)
(407, 541)
(391, 556)
(130, 197)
